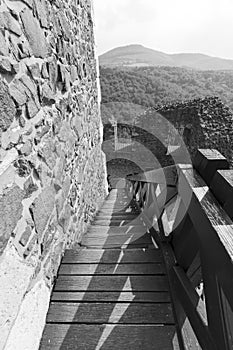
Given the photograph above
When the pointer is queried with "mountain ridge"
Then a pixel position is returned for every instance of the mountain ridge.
(137, 55)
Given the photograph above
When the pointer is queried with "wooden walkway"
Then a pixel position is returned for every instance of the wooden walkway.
(112, 293)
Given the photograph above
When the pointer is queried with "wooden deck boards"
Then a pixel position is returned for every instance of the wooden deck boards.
(120, 313)
(112, 292)
(112, 283)
(109, 296)
(112, 269)
(108, 337)
(113, 256)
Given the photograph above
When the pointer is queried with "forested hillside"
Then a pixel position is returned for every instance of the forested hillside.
(123, 88)
(141, 56)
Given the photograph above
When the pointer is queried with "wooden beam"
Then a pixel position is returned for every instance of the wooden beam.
(194, 310)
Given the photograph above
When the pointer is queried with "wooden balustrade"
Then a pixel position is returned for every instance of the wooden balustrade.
(189, 212)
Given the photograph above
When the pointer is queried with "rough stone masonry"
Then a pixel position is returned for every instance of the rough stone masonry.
(52, 169)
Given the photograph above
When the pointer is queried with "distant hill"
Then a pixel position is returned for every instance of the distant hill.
(138, 55)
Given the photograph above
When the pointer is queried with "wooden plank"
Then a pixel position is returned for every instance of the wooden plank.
(121, 313)
(99, 222)
(104, 230)
(115, 245)
(131, 207)
(146, 297)
(116, 240)
(118, 211)
(117, 215)
(106, 337)
(118, 235)
(118, 204)
(119, 256)
(111, 283)
(110, 217)
(109, 269)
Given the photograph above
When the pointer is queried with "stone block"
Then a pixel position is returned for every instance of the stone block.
(32, 108)
(47, 95)
(30, 187)
(44, 71)
(5, 66)
(73, 73)
(45, 175)
(64, 218)
(29, 85)
(48, 240)
(47, 151)
(53, 74)
(64, 25)
(8, 22)
(11, 136)
(44, 130)
(17, 91)
(30, 247)
(65, 132)
(24, 48)
(25, 236)
(34, 69)
(42, 12)
(3, 45)
(11, 209)
(62, 197)
(34, 34)
(26, 149)
(7, 107)
(42, 208)
(23, 167)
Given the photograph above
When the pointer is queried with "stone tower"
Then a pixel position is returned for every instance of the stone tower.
(52, 169)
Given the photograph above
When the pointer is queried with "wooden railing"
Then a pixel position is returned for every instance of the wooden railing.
(189, 212)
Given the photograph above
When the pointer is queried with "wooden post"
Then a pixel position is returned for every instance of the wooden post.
(222, 188)
(207, 162)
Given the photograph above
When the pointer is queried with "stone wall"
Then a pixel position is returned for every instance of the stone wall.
(202, 123)
(52, 169)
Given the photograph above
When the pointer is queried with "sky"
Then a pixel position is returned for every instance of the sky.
(171, 26)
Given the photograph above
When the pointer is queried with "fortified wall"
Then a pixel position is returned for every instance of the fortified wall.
(202, 123)
(52, 169)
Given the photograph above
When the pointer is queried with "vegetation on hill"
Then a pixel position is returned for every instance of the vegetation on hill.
(138, 55)
(126, 91)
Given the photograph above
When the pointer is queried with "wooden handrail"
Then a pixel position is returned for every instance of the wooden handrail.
(189, 222)
(166, 176)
